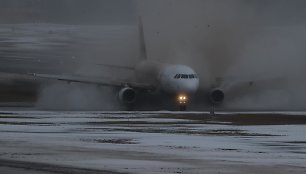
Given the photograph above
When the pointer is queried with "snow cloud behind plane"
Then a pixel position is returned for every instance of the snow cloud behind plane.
(237, 40)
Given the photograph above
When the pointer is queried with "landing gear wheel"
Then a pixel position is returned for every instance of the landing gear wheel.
(183, 107)
(130, 107)
(212, 111)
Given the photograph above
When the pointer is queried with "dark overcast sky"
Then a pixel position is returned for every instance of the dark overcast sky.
(125, 11)
(68, 11)
(283, 12)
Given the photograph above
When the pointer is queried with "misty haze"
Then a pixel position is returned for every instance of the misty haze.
(152, 86)
(252, 50)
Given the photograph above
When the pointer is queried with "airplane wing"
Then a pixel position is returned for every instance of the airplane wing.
(262, 82)
(235, 89)
(238, 88)
(95, 81)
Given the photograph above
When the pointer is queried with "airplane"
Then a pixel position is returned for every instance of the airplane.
(178, 81)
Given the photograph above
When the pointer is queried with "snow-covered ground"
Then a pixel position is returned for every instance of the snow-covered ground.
(148, 142)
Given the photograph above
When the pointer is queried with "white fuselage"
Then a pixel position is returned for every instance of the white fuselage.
(169, 78)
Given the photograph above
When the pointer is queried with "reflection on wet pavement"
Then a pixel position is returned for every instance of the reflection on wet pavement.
(134, 142)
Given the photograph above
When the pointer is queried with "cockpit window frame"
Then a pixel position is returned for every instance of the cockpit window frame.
(177, 76)
(191, 76)
(186, 76)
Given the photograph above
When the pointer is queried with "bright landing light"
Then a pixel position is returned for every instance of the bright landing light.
(182, 99)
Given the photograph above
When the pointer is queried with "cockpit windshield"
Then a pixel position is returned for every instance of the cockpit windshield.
(185, 76)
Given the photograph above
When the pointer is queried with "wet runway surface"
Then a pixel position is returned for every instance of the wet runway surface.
(146, 142)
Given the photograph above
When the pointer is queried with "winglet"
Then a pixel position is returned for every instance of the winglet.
(142, 42)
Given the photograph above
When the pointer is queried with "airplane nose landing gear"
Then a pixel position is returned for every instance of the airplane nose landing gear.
(183, 107)
(182, 99)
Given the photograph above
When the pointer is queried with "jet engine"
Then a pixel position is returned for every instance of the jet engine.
(127, 95)
(217, 96)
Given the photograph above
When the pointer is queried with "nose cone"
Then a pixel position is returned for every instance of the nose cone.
(189, 86)
(179, 79)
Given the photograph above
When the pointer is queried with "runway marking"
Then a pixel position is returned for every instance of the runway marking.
(35, 166)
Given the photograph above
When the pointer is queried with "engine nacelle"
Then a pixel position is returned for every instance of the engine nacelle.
(127, 95)
(217, 96)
